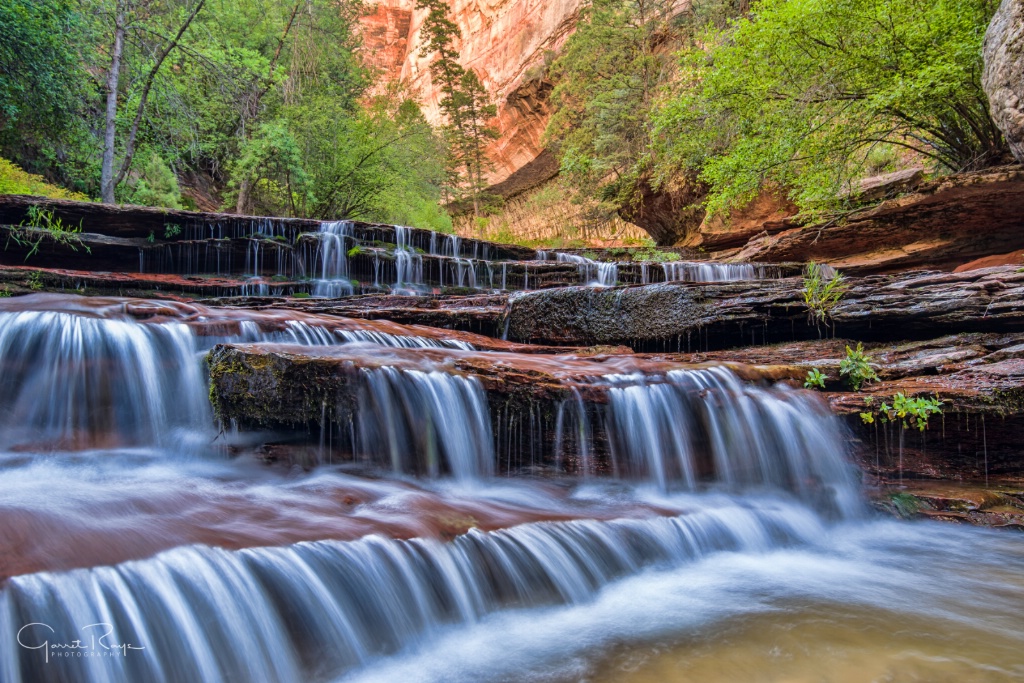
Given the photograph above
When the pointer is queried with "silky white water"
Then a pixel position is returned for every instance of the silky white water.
(133, 549)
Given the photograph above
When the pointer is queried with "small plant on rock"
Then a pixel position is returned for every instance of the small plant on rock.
(908, 411)
(42, 224)
(823, 290)
(855, 369)
(815, 379)
(35, 281)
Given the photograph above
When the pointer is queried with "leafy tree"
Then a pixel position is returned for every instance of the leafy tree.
(464, 103)
(136, 20)
(608, 76)
(799, 93)
(44, 88)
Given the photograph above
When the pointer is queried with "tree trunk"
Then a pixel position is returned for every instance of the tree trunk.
(113, 77)
(242, 205)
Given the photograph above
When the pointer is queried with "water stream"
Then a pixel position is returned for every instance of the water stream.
(725, 540)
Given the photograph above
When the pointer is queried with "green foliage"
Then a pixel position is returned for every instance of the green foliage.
(815, 379)
(44, 86)
(171, 230)
(908, 412)
(35, 281)
(266, 95)
(799, 93)
(42, 225)
(355, 251)
(607, 79)
(654, 255)
(154, 185)
(823, 290)
(5, 292)
(13, 180)
(855, 369)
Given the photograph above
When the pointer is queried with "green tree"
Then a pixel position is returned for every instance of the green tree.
(44, 89)
(799, 93)
(136, 21)
(464, 103)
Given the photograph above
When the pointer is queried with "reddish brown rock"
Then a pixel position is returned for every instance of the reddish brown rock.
(765, 214)
(505, 42)
(945, 223)
(671, 213)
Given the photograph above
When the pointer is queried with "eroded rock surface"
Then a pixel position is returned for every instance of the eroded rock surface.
(945, 223)
(1003, 77)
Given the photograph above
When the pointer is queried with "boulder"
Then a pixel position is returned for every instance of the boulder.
(1003, 76)
(669, 214)
(681, 316)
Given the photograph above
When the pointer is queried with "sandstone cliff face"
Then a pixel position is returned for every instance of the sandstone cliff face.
(1003, 77)
(504, 41)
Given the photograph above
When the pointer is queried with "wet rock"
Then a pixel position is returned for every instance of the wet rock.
(1003, 76)
(943, 224)
(962, 503)
(281, 385)
(680, 316)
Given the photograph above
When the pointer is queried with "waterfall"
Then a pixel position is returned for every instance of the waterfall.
(709, 425)
(408, 264)
(71, 381)
(91, 376)
(708, 272)
(320, 609)
(402, 341)
(332, 252)
(594, 273)
(425, 422)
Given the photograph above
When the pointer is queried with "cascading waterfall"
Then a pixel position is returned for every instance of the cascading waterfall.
(685, 271)
(730, 526)
(425, 422)
(323, 608)
(71, 381)
(595, 273)
(408, 263)
(332, 253)
(708, 425)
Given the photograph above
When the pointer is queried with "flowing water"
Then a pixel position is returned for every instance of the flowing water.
(722, 538)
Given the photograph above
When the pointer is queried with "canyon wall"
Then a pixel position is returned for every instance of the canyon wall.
(504, 41)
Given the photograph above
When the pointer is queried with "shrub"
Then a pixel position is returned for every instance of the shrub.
(815, 379)
(855, 368)
(14, 180)
(823, 290)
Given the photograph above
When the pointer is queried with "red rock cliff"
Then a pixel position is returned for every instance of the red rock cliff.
(504, 41)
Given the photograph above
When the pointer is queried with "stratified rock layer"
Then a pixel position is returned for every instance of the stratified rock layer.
(945, 223)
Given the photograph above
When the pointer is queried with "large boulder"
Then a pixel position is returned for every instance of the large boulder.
(671, 213)
(1003, 78)
(705, 316)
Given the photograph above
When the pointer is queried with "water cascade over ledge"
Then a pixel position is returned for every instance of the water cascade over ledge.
(668, 508)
